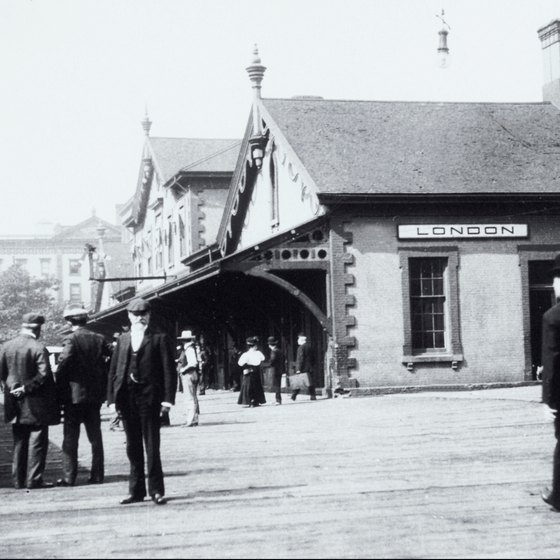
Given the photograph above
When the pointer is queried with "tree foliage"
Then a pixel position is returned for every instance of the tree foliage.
(19, 294)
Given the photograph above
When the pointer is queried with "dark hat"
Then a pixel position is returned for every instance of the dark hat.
(272, 341)
(555, 271)
(139, 305)
(32, 320)
(74, 311)
(252, 340)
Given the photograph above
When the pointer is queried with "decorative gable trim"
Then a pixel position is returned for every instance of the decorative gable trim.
(245, 176)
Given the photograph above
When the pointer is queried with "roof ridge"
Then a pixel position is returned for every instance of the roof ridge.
(210, 156)
(190, 138)
(312, 100)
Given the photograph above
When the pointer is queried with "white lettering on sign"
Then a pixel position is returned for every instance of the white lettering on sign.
(463, 231)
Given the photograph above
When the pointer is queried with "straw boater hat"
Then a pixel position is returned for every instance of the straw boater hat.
(186, 335)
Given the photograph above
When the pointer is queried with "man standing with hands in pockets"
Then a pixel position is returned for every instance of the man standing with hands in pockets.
(142, 384)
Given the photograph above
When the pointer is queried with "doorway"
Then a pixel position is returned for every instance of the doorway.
(541, 299)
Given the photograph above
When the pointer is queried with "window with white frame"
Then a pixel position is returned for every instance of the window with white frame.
(170, 247)
(75, 293)
(182, 234)
(428, 303)
(431, 305)
(45, 267)
(74, 267)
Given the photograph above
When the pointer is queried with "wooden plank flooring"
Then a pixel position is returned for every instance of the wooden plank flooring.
(427, 475)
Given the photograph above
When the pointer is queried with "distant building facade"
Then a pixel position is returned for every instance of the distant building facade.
(60, 252)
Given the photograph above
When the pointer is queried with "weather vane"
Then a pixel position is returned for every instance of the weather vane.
(442, 18)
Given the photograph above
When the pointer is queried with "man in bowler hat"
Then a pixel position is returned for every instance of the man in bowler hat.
(30, 402)
(81, 378)
(142, 384)
(551, 381)
(276, 364)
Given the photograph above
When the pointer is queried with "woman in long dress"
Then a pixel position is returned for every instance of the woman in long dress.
(251, 393)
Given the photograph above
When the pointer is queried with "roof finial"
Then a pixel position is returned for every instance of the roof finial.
(256, 72)
(443, 49)
(146, 123)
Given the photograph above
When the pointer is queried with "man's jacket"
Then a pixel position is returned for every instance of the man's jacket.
(81, 375)
(25, 362)
(154, 365)
(551, 357)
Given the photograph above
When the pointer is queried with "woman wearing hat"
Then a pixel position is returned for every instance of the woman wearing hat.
(251, 393)
(188, 367)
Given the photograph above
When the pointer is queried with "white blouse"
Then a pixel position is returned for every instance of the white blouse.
(252, 357)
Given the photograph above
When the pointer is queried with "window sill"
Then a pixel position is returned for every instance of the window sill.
(453, 359)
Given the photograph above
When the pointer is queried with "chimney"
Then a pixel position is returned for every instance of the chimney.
(550, 41)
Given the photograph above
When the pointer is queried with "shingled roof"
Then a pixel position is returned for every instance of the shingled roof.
(376, 147)
(173, 155)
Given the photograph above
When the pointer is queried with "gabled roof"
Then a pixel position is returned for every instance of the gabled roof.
(87, 230)
(174, 155)
(373, 147)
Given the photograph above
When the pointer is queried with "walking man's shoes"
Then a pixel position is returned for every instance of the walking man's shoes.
(159, 500)
(39, 485)
(130, 500)
(547, 497)
(63, 482)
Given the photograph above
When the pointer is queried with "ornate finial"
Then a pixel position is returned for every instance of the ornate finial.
(146, 123)
(443, 50)
(256, 57)
(256, 72)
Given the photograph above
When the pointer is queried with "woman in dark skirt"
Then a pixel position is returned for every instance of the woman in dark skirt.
(251, 393)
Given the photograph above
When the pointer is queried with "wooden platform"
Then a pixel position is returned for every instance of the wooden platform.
(427, 475)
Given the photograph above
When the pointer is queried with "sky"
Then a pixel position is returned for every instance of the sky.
(77, 77)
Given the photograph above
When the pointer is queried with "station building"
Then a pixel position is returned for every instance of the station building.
(411, 241)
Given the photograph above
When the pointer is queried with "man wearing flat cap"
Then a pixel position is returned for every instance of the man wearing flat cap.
(551, 381)
(142, 384)
(81, 378)
(30, 402)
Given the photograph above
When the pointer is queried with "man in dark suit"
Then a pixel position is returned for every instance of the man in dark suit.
(551, 381)
(30, 402)
(276, 364)
(81, 378)
(142, 384)
(304, 364)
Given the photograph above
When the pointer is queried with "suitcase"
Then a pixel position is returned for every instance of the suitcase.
(299, 381)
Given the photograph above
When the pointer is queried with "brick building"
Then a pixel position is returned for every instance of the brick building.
(412, 241)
